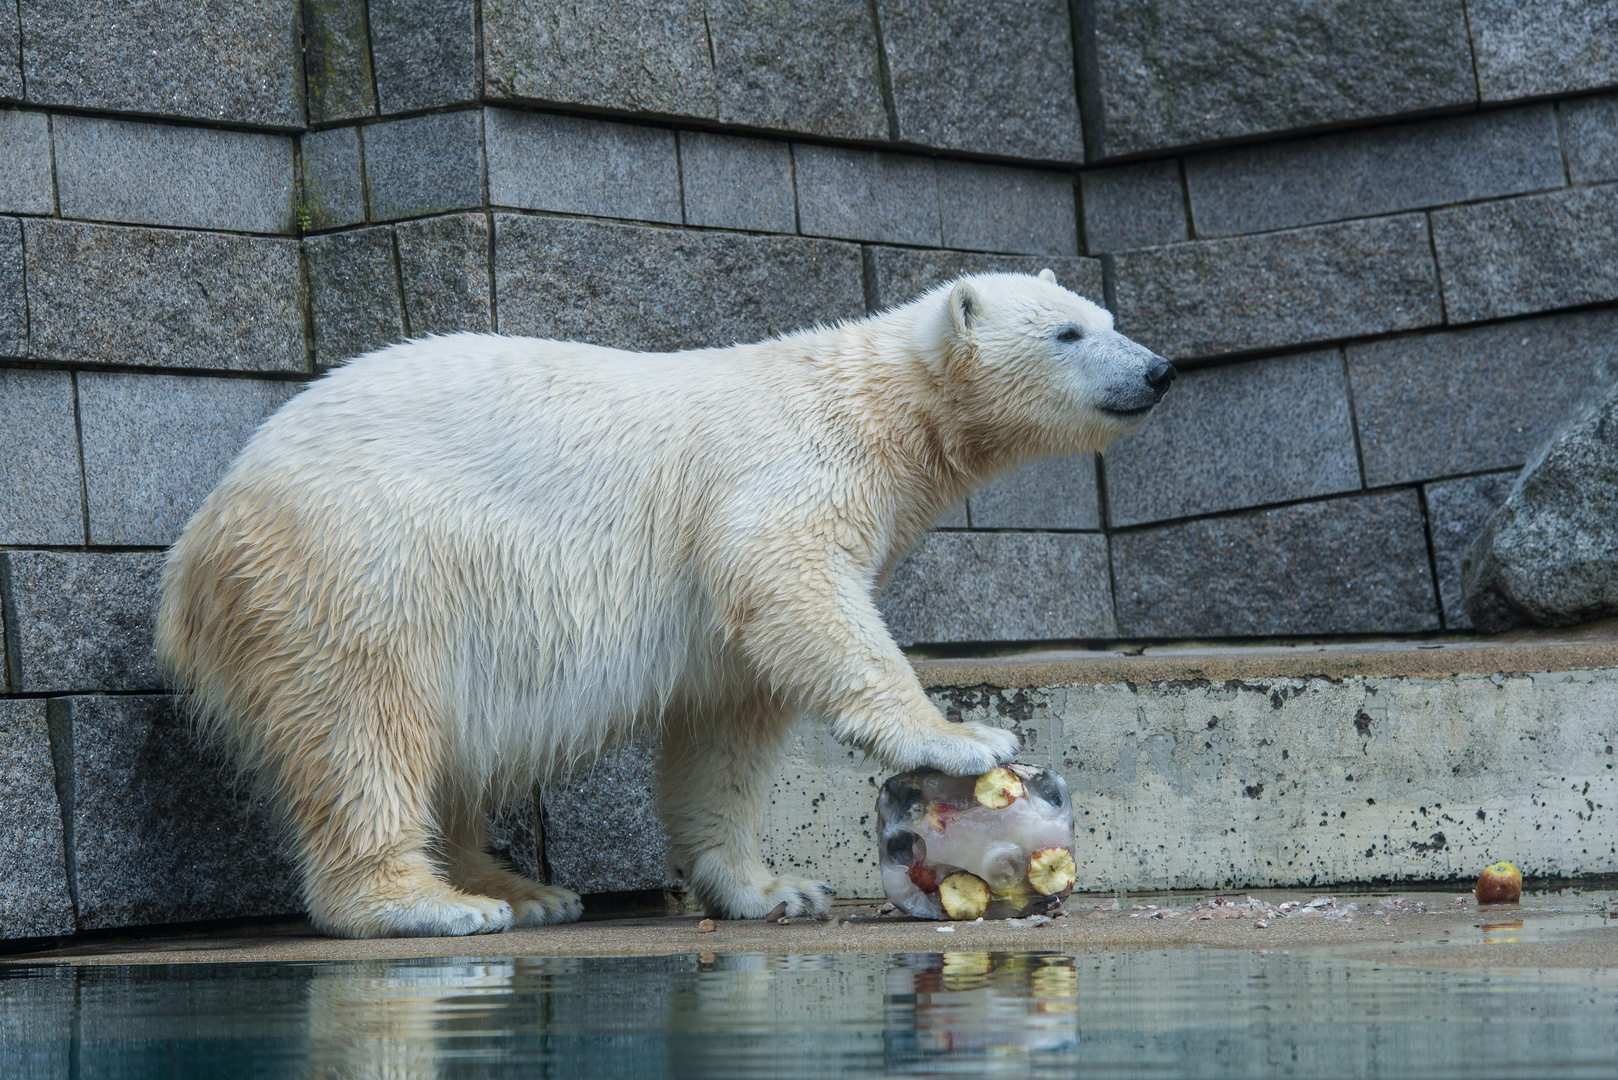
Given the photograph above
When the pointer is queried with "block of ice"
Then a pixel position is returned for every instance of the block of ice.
(998, 845)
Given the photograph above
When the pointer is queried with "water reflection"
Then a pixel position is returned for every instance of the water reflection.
(742, 1015)
(1171, 1013)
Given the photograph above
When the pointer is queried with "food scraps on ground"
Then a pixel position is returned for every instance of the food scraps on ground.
(706, 926)
(1499, 884)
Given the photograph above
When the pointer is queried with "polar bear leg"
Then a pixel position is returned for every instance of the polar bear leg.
(714, 776)
(474, 870)
(358, 795)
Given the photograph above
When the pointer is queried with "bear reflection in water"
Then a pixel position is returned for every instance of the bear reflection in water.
(742, 1015)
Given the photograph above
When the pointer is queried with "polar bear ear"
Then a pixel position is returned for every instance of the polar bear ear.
(1048, 274)
(964, 307)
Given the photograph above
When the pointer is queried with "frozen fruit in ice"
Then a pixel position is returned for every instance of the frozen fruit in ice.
(931, 825)
(904, 848)
(938, 816)
(998, 788)
(964, 896)
(923, 877)
(1051, 870)
(1499, 884)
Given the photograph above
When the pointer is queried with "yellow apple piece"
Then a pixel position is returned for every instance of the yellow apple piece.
(998, 788)
(964, 896)
(1051, 870)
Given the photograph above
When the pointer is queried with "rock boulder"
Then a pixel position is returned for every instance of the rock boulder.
(1549, 555)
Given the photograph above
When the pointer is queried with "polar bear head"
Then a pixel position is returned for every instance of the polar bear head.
(1037, 369)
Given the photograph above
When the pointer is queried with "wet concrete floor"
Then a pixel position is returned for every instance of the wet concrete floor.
(1557, 928)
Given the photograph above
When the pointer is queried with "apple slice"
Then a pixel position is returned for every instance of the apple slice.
(964, 896)
(1051, 870)
(998, 788)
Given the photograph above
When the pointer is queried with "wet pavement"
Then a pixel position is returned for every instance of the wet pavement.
(1556, 928)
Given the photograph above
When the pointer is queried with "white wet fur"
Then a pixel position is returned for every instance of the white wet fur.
(459, 564)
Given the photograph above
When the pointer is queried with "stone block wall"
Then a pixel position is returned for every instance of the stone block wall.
(1380, 240)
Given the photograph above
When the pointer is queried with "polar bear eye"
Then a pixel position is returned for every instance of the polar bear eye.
(1069, 334)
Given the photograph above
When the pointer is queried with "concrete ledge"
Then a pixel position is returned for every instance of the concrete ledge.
(1593, 645)
(1278, 766)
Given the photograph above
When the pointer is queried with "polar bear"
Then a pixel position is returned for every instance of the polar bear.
(459, 564)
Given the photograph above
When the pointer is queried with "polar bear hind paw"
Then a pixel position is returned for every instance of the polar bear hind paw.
(554, 905)
(448, 915)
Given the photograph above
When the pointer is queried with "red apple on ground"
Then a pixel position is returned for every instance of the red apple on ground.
(1499, 884)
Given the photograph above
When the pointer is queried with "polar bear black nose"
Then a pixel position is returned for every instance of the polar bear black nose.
(1159, 376)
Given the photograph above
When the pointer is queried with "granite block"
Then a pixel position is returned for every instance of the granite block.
(425, 165)
(1163, 73)
(109, 294)
(1528, 254)
(1129, 206)
(578, 166)
(1006, 586)
(1051, 493)
(424, 53)
(155, 445)
(898, 275)
(337, 61)
(354, 304)
(1224, 438)
(25, 162)
(867, 195)
(513, 837)
(333, 184)
(164, 174)
(39, 459)
(638, 56)
(82, 620)
(1471, 400)
(13, 290)
(1544, 47)
(993, 208)
(237, 61)
(954, 518)
(732, 183)
(1457, 511)
(1007, 91)
(444, 264)
(1590, 135)
(657, 289)
(160, 831)
(34, 896)
(602, 831)
(798, 65)
(10, 59)
(1278, 289)
(1344, 566)
(1381, 171)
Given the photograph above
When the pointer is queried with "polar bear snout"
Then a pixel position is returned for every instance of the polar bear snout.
(1137, 379)
(1159, 377)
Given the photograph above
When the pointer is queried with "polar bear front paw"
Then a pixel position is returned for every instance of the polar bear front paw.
(971, 749)
(800, 895)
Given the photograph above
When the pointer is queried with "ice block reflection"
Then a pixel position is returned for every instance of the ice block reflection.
(982, 1014)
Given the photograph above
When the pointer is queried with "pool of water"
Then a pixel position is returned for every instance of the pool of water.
(1188, 1012)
